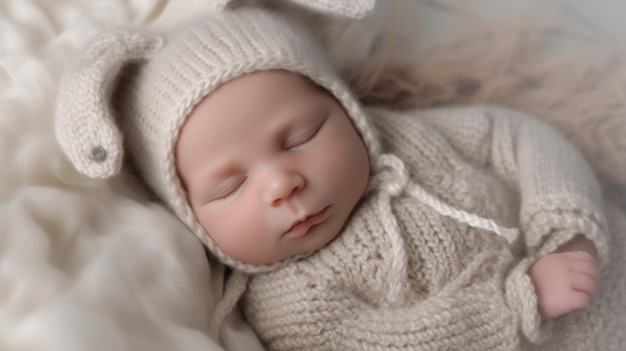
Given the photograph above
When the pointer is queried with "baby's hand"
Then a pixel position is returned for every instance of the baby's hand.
(565, 280)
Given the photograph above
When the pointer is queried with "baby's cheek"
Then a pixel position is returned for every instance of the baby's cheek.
(351, 168)
(238, 231)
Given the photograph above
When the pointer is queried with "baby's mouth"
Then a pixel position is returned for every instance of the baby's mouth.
(301, 227)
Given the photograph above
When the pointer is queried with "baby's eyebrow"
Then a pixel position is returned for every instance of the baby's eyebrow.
(208, 176)
(219, 169)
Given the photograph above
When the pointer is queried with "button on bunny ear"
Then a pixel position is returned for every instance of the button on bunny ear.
(85, 126)
(344, 8)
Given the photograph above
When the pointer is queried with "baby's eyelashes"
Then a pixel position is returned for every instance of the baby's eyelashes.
(228, 188)
(304, 137)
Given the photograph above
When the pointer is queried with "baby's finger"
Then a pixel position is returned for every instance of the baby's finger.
(584, 263)
(578, 300)
(583, 282)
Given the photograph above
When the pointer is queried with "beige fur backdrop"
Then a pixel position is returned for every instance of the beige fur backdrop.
(88, 265)
(580, 89)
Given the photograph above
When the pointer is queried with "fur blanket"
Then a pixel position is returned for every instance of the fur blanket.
(87, 265)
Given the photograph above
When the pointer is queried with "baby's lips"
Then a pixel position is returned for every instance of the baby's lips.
(302, 227)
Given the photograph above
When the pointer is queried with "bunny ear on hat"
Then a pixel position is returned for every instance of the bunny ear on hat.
(145, 86)
(85, 126)
(345, 8)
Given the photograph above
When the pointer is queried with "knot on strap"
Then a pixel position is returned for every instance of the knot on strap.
(392, 176)
(391, 180)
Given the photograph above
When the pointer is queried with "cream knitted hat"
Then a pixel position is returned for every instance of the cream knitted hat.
(148, 84)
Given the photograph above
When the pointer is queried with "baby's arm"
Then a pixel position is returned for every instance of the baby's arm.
(560, 199)
(565, 280)
(560, 196)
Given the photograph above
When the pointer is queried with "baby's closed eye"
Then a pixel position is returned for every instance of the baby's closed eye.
(228, 188)
(302, 137)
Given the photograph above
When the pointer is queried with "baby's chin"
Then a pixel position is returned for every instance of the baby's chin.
(315, 239)
(294, 247)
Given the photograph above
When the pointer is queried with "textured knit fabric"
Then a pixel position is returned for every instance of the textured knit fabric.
(148, 84)
(461, 202)
(352, 8)
(460, 287)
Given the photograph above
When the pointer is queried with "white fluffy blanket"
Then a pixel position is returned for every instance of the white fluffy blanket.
(87, 265)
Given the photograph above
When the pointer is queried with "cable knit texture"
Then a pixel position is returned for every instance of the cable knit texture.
(441, 283)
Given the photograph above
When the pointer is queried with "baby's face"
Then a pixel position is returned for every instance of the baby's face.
(272, 165)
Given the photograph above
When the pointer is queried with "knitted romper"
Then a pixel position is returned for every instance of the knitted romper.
(404, 276)
(422, 263)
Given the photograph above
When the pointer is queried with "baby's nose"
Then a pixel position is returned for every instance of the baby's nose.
(282, 184)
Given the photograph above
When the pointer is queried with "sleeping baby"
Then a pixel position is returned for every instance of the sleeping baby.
(346, 227)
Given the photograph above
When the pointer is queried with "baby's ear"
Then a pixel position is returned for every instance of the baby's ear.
(84, 123)
(342, 8)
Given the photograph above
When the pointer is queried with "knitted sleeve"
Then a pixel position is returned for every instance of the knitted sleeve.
(560, 196)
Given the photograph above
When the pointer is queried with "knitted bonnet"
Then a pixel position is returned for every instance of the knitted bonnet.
(132, 90)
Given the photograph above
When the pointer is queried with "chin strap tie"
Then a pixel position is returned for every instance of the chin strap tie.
(391, 180)
(235, 287)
